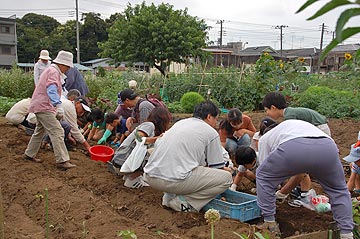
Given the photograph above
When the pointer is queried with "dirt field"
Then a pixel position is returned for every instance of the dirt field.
(89, 202)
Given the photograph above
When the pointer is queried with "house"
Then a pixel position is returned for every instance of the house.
(310, 55)
(8, 42)
(336, 57)
(234, 55)
(94, 64)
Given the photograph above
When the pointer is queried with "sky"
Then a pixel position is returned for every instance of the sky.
(253, 22)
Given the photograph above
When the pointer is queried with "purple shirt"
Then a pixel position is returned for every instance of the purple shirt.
(40, 100)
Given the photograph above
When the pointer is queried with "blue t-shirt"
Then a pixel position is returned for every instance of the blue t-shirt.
(121, 128)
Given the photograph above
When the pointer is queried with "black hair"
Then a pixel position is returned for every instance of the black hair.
(276, 99)
(204, 109)
(161, 119)
(245, 155)
(110, 117)
(270, 127)
(235, 116)
(266, 122)
(225, 125)
(98, 114)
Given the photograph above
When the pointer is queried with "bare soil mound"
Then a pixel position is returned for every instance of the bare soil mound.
(89, 202)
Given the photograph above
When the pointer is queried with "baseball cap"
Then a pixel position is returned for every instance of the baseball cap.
(84, 103)
(354, 154)
(127, 94)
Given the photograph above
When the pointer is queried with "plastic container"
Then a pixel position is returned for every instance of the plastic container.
(101, 153)
(236, 205)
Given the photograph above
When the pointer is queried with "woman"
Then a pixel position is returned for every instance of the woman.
(293, 147)
(156, 124)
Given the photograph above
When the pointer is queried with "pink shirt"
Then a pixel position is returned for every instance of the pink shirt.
(40, 100)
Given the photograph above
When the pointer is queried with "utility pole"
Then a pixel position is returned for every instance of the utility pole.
(281, 37)
(221, 31)
(321, 45)
(77, 33)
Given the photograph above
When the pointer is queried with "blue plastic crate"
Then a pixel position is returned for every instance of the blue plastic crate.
(238, 205)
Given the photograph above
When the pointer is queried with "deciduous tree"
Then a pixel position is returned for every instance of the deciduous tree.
(155, 35)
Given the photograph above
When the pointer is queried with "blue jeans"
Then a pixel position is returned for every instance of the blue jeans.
(231, 145)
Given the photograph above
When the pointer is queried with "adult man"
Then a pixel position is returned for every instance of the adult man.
(72, 111)
(141, 107)
(47, 107)
(19, 114)
(75, 80)
(187, 161)
(41, 65)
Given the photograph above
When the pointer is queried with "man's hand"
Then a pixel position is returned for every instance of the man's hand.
(59, 112)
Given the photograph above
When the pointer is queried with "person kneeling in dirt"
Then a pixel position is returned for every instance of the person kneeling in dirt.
(245, 157)
(156, 124)
(187, 162)
(354, 159)
(293, 147)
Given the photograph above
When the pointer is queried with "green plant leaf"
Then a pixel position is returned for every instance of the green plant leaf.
(328, 7)
(348, 32)
(258, 235)
(308, 3)
(343, 19)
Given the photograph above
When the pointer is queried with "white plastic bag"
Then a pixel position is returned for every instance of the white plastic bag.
(136, 157)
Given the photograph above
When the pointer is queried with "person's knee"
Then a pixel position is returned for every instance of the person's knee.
(244, 140)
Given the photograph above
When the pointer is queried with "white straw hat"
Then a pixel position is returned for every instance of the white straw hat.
(44, 54)
(64, 58)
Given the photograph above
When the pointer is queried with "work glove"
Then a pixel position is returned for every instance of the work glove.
(233, 187)
(59, 112)
(106, 135)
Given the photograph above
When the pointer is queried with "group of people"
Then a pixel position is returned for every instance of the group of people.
(192, 161)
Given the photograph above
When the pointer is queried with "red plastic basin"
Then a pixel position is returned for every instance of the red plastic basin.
(101, 153)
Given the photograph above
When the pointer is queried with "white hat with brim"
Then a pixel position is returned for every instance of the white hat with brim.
(85, 107)
(354, 154)
(44, 55)
(64, 58)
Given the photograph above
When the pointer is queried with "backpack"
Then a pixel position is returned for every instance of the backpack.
(153, 100)
(157, 103)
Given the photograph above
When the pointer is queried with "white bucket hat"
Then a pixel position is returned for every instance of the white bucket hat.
(64, 58)
(44, 54)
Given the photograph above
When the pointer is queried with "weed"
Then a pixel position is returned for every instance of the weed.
(126, 234)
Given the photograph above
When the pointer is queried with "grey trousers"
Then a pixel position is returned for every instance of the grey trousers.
(317, 156)
(47, 123)
(203, 185)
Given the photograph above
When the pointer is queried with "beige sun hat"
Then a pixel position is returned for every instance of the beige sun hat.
(44, 55)
(64, 58)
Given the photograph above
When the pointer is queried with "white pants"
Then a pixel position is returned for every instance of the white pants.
(203, 185)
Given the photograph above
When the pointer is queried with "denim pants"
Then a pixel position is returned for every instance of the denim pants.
(231, 144)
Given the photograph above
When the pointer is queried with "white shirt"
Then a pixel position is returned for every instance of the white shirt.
(17, 113)
(71, 117)
(285, 131)
(188, 144)
(39, 67)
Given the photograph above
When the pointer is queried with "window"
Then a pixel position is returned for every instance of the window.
(5, 29)
(6, 50)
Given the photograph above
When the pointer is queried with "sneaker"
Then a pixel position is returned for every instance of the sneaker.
(112, 168)
(167, 197)
(280, 197)
(135, 183)
(296, 192)
(179, 204)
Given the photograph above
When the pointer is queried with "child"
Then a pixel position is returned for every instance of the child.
(98, 126)
(112, 121)
(245, 157)
(354, 159)
(121, 132)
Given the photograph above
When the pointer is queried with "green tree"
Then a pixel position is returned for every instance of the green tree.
(33, 31)
(155, 35)
(341, 33)
(92, 31)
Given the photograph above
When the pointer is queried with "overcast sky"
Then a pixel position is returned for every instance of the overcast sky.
(251, 21)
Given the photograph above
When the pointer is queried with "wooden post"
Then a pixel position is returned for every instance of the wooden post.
(1, 217)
